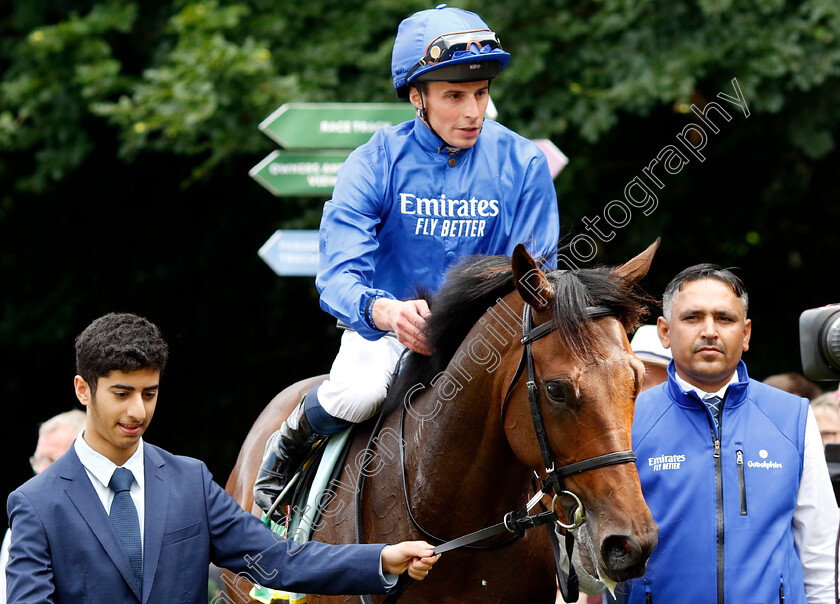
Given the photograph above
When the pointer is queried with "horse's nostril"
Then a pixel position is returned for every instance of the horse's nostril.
(624, 557)
(625, 544)
(619, 552)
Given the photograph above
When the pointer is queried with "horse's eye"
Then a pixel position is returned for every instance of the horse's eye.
(555, 391)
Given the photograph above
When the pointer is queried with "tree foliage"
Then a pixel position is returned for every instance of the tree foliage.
(56, 72)
(209, 71)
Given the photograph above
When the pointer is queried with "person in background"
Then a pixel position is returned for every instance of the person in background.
(826, 412)
(732, 469)
(794, 383)
(646, 345)
(54, 438)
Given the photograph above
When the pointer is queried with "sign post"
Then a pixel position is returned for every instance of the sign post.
(331, 125)
(299, 173)
(315, 138)
(292, 252)
(557, 160)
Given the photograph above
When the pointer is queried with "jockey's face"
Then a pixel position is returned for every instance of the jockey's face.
(455, 110)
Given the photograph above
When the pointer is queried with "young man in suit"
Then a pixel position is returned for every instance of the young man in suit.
(119, 520)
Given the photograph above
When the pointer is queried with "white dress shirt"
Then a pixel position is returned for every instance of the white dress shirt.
(100, 469)
(816, 517)
(4, 559)
(702, 393)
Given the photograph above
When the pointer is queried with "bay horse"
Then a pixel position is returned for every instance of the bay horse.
(458, 448)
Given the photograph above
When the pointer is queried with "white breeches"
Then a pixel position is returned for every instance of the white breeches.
(360, 376)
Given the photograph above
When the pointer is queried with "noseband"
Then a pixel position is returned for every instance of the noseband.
(554, 476)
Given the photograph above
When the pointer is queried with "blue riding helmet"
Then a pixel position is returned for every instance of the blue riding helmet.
(445, 44)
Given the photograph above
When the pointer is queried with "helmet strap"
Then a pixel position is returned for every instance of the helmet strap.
(421, 111)
(423, 115)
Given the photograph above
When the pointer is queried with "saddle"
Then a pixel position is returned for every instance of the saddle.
(323, 464)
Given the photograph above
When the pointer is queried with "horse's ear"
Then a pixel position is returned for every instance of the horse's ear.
(634, 270)
(530, 280)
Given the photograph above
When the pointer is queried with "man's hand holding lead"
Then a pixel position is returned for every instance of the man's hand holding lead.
(416, 557)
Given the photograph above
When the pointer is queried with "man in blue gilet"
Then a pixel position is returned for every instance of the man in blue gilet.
(732, 469)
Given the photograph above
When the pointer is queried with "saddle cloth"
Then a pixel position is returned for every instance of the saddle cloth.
(299, 526)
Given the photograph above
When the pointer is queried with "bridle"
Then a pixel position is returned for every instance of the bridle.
(516, 522)
(555, 476)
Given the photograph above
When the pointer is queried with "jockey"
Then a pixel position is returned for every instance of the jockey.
(407, 205)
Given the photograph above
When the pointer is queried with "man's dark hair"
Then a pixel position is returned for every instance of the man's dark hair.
(795, 383)
(121, 342)
(703, 271)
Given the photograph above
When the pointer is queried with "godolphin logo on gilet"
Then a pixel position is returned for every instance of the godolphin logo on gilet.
(765, 463)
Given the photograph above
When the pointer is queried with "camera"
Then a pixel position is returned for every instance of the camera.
(819, 342)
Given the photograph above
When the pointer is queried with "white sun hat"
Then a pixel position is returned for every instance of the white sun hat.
(648, 348)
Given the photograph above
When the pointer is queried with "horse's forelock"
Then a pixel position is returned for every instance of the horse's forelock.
(571, 297)
(574, 291)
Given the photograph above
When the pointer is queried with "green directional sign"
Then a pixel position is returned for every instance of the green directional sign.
(297, 173)
(332, 125)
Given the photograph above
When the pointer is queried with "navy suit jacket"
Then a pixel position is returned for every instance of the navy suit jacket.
(64, 547)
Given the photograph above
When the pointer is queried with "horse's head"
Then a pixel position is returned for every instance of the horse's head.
(586, 379)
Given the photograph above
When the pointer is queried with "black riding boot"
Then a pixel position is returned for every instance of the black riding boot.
(285, 451)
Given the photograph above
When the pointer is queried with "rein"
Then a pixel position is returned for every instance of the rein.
(518, 521)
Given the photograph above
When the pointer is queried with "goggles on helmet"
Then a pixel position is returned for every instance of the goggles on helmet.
(442, 48)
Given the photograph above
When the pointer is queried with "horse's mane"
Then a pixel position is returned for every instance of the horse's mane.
(473, 286)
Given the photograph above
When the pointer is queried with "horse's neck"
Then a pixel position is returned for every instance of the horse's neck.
(454, 431)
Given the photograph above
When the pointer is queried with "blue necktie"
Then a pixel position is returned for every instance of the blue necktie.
(713, 403)
(125, 521)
